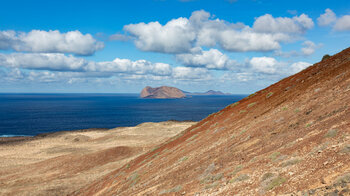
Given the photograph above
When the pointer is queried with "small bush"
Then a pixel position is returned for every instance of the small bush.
(237, 169)
(133, 179)
(325, 57)
(308, 124)
(234, 104)
(251, 105)
(346, 149)
(290, 162)
(269, 94)
(275, 182)
(240, 178)
(242, 111)
(331, 133)
(183, 159)
(212, 178)
(176, 189)
(274, 156)
(267, 176)
(344, 178)
(213, 185)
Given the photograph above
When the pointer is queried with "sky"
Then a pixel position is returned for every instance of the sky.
(236, 46)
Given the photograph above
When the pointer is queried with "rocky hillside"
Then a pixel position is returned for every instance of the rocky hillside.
(163, 92)
(292, 137)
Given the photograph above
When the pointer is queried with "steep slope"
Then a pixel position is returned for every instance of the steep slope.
(292, 137)
(163, 92)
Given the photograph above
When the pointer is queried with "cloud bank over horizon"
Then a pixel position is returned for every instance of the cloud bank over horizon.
(202, 49)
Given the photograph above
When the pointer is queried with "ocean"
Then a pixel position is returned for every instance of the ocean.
(32, 114)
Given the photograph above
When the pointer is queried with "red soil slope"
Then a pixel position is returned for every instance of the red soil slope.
(292, 137)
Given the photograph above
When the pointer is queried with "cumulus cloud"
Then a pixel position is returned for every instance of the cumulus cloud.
(330, 18)
(266, 65)
(211, 59)
(309, 48)
(327, 18)
(46, 63)
(299, 66)
(49, 42)
(342, 24)
(268, 24)
(119, 37)
(174, 37)
(201, 29)
(188, 73)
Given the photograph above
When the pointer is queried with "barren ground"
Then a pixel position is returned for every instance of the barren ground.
(62, 162)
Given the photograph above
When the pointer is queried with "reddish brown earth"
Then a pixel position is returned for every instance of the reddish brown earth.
(291, 138)
(163, 92)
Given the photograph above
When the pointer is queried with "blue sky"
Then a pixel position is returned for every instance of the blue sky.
(121, 46)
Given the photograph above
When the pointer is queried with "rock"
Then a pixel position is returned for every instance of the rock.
(163, 92)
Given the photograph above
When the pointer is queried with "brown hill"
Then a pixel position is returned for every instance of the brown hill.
(163, 92)
(292, 137)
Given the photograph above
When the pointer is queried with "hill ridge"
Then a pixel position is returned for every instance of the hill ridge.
(291, 136)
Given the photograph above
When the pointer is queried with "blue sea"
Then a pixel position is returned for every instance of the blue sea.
(32, 114)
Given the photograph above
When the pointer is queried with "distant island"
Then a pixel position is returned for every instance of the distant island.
(210, 92)
(167, 92)
(163, 92)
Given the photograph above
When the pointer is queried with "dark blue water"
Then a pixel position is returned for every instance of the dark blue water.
(31, 114)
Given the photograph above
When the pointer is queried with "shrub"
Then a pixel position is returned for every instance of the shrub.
(274, 155)
(176, 189)
(275, 182)
(267, 176)
(133, 179)
(242, 111)
(269, 94)
(237, 169)
(234, 104)
(325, 57)
(240, 178)
(251, 105)
(183, 159)
(290, 162)
(344, 178)
(213, 185)
(331, 133)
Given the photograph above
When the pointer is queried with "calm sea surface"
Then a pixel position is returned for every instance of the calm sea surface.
(31, 114)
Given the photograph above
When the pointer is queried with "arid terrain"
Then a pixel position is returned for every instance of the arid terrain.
(291, 138)
(62, 162)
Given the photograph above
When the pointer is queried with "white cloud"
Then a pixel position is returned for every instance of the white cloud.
(211, 59)
(49, 42)
(327, 18)
(342, 24)
(309, 48)
(297, 24)
(174, 37)
(48, 65)
(42, 61)
(299, 66)
(266, 65)
(189, 73)
(182, 35)
(119, 37)
(330, 18)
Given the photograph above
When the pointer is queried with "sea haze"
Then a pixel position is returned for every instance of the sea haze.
(31, 114)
